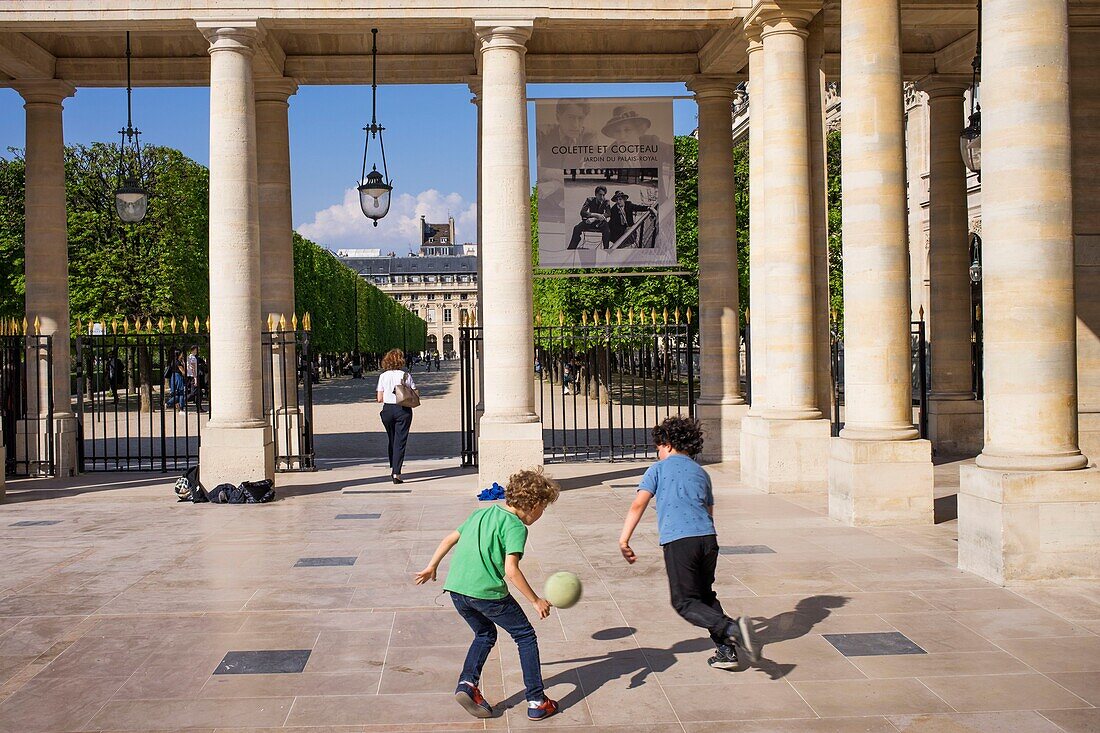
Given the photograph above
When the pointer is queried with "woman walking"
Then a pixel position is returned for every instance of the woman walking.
(396, 418)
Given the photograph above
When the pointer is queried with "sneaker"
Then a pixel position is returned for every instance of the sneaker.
(748, 643)
(543, 710)
(470, 698)
(725, 657)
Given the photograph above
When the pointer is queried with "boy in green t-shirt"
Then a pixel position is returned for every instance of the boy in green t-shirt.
(490, 544)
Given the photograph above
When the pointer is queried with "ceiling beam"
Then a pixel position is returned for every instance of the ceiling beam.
(957, 56)
(269, 59)
(913, 65)
(725, 52)
(611, 67)
(22, 58)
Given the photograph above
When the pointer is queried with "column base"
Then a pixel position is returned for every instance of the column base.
(721, 430)
(956, 427)
(32, 446)
(880, 482)
(1029, 525)
(1088, 427)
(233, 455)
(784, 456)
(504, 448)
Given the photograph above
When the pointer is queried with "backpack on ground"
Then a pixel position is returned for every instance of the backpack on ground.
(188, 487)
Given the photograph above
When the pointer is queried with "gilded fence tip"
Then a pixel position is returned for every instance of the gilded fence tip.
(114, 326)
(676, 316)
(294, 322)
(689, 316)
(561, 319)
(270, 322)
(125, 325)
(618, 316)
(160, 324)
(665, 316)
(630, 316)
(172, 324)
(79, 325)
(208, 324)
(282, 321)
(607, 315)
(653, 316)
(596, 317)
(307, 322)
(584, 317)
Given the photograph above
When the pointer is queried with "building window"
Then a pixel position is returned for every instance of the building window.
(446, 315)
(414, 296)
(431, 296)
(464, 296)
(443, 240)
(430, 315)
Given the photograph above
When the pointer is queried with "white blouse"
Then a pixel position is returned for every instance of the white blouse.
(387, 381)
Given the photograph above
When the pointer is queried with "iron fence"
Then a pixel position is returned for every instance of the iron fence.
(288, 398)
(469, 350)
(27, 405)
(918, 377)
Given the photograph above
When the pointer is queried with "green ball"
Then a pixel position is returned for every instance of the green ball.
(563, 590)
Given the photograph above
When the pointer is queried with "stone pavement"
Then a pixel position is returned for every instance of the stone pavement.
(118, 605)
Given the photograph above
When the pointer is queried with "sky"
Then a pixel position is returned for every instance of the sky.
(430, 147)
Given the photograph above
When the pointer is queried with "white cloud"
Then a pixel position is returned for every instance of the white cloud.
(343, 225)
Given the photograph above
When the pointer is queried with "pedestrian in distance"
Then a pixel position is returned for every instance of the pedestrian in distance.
(396, 418)
(488, 548)
(688, 538)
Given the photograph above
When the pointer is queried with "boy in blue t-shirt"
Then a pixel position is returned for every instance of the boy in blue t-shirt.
(685, 524)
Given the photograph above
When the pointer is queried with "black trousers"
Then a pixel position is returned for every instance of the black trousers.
(690, 564)
(602, 227)
(397, 420)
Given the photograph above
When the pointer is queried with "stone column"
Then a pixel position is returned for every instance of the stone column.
(46, 268)
(720, 404)
(1024, 511)
(879, 471)
(276, 227)
(954, 416)
(236, 444)
(757, 231)
(786, 441)
(511, 434)
(479, 407)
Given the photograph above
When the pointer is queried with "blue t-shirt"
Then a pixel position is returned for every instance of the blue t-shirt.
(683, 492)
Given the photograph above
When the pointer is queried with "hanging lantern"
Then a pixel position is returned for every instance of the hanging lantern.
(374, 187)
(970, 141)
(975, 269)
(131, 198)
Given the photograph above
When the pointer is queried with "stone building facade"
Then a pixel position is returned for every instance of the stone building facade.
(438, 283)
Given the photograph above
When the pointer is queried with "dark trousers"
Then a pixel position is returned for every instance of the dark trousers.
(690, 564)
(484, 616)
(602, 227)
(397, 420)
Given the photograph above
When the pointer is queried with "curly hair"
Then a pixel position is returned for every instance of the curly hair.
(531, 488)
(684, 434)
(394, 359)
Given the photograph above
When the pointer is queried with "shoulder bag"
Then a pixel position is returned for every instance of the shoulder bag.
(406, 395)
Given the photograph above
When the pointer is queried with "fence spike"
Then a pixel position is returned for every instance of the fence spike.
(630, 316)
(920, 313)
(208, 324)
(584, 317)
(91, 327)
(172, 324)
(666, 316)
(653, 315)
(689, 315)
(25, 331)
(561, 319)
(160, 324)
(618, 316)
(538, 319)
(307, 322)
(282, 321)
(595, 317)
(114, 326)
(125, 325)
(195, 324)
(294, 322)
(270, 322)
(676, 316)
(747, 314)
(79, 325)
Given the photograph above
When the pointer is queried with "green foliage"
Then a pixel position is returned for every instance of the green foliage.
(160, 266)
(330, 291)
(570, 297)
(836, 252)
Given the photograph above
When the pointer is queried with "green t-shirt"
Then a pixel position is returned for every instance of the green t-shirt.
(487, 537)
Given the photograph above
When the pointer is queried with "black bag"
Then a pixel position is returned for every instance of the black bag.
(258, 492)
(220, 494)
(188, 487)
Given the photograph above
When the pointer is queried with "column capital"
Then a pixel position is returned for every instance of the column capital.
(275, 90)
(782, 16)
(705, 86)
(231, 35)
(944, 85)
(506, 34)
(44, 91)
(752, 35)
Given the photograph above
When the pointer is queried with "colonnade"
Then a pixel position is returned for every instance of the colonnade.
(878, 471)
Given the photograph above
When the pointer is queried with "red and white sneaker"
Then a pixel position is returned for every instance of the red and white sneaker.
(543, 710)
(470, 698)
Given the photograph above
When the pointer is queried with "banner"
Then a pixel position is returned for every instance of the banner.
(607, 188)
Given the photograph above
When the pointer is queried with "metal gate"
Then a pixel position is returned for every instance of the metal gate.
(143, 401)
(26, 403)
(138, 410)
(918, 353)
(601, 385)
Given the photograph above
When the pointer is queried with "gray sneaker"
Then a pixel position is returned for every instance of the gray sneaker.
(748, 642)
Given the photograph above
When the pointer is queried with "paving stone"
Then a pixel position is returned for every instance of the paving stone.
(378, 491)
(274, 661)
(36, 523)
(323, 562)
(358, 516)
(746, 550)
(873, 644)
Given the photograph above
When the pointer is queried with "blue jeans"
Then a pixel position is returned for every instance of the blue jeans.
(484, 616)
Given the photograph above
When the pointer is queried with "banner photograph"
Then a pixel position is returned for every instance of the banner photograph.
(606, 182)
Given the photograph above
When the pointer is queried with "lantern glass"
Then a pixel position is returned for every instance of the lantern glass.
(970, 143)
(975, 272)
(131, 203)
(375, 201)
